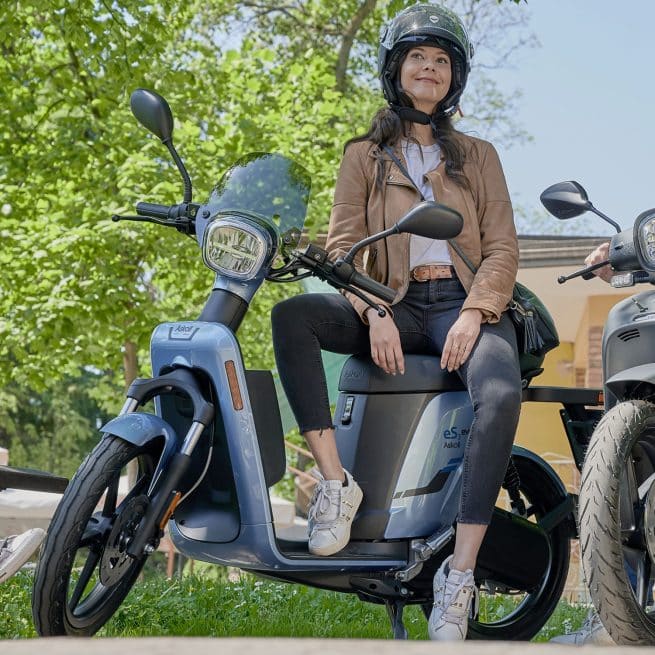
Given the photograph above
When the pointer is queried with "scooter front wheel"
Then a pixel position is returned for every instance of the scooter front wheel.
(84, 572)
(617, 521)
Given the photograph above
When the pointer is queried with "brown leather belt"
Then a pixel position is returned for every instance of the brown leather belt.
(431, 272)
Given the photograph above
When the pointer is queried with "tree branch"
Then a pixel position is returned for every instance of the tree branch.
(347, 42)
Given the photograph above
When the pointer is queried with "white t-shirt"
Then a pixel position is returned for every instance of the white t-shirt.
(420, 161)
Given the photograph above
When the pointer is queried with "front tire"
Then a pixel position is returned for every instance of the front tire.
(617, 526)
(90, 531)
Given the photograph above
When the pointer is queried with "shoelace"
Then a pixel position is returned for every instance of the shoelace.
(4, 544)
(591, 623)
(322, 501)
(454, 589)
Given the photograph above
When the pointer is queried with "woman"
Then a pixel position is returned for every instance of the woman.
(441, 306)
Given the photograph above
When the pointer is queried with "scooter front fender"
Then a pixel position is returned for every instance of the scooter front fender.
(620, 383)
(140, 428)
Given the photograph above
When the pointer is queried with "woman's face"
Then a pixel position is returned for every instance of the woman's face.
(425, 76)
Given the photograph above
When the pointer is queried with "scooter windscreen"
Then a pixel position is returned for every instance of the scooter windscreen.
(270, 187)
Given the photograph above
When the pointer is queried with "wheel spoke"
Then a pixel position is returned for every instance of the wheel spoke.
(83, 580)
(109, 506)
(629, 500)
(639, 569)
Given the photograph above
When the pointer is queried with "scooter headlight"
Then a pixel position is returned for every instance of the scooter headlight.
(235, 248)
(645, 230)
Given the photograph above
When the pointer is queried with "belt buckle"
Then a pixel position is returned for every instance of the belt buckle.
(413, 274)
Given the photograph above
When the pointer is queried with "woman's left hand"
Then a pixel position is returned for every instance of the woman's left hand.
(460, 339)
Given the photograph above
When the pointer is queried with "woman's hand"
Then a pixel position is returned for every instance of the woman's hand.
(597, 256)
(460, 339)
(385, 343)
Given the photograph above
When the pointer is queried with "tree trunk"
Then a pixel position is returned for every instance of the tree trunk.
(130, 362)
(130, 368)
(347, 42)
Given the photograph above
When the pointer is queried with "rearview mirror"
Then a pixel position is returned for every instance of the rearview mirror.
(432, 220)
(153, 112)
(565, 200)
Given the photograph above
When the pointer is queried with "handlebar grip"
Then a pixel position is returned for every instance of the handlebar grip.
(367, 284)
(153, 209)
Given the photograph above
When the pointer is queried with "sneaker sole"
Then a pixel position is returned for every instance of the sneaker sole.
(21, 555)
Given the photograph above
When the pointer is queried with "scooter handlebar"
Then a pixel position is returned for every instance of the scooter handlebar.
(371, 286)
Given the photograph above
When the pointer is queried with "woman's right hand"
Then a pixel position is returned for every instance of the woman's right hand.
(385, 343)
(597, 256)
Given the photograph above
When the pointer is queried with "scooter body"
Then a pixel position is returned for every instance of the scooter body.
(404, 440)
(208, 454)
(617, 492)
(627, 349)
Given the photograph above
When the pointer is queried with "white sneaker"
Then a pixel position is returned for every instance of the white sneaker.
(455, 599)
(591, 632)
(17, 549)
(331, 512)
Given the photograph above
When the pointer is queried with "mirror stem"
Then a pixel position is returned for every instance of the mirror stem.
(365, 242)
(616, 226)
(180, 167)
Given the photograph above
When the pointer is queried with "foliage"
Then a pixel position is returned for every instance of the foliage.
(51, 430)
(208, 606)
(76, 288)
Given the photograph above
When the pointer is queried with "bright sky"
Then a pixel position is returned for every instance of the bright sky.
(589, 103)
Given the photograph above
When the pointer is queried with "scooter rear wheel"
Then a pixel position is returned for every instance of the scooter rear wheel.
(617, 521)
(84, 573)
(510, 614)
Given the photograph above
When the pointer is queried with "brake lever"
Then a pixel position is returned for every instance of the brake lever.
(144, 219)
(585, 273)
(181, 224)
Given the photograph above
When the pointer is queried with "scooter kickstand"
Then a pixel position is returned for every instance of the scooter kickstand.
(395, 610)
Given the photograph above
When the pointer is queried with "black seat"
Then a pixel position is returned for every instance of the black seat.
(423, 374)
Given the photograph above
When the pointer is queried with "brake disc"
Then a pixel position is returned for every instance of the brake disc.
(115, 561)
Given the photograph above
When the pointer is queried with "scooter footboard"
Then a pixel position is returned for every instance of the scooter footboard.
(515, 552)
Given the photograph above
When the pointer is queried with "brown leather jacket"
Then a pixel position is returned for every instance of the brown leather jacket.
(488, 238)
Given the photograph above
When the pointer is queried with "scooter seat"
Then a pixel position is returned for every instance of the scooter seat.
(423, 374)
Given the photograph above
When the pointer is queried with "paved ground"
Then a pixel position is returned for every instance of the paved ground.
(246, 646)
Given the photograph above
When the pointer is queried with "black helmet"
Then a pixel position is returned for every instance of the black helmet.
(424, 24)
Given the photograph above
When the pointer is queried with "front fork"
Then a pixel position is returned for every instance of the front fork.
(164, 489)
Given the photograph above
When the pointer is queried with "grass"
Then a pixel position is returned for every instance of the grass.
(211, 605)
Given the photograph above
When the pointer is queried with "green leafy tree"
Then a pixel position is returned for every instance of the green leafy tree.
(79, 290)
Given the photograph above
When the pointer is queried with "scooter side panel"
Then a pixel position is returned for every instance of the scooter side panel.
(405, 451)
(426, 497)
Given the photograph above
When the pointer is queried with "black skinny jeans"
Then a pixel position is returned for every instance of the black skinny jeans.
(305, 324)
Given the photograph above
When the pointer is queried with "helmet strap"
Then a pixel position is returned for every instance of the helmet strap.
(412, 115)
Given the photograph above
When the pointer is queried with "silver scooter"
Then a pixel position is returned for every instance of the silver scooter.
(617, 492)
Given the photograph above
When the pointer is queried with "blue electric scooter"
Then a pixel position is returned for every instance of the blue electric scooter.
(203, 461)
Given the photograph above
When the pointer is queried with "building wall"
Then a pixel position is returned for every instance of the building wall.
(540, 427)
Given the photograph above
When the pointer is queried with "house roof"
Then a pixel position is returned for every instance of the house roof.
(551, 250)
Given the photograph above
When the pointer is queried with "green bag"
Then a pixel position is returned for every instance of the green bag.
(535, 329)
